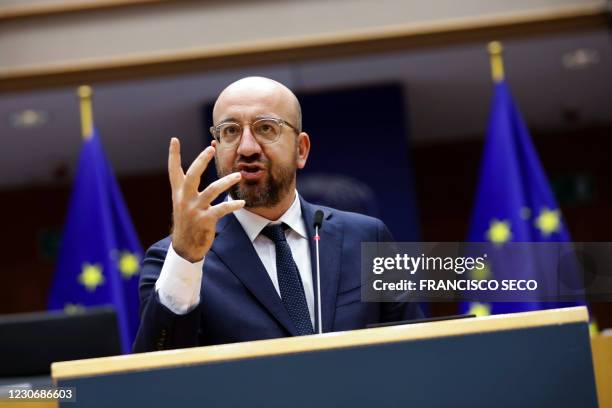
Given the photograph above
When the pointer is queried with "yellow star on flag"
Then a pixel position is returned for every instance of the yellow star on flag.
(499, 232)
(593, 328)
(91, 276)
(548, 221)
(483, 273)
(73, 308)
(479, 309)
(128, 265)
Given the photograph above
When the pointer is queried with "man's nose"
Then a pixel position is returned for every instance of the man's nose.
(248, 144)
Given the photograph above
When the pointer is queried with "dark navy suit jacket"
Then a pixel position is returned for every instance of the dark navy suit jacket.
(238, 300)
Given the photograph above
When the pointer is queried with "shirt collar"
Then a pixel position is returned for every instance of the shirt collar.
(253, 223)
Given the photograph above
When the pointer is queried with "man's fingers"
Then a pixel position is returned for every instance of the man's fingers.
(175, 172)
(192, 177)
(227, 207)
(214, 189)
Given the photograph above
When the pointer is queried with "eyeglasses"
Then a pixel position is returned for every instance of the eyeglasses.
(265, 131)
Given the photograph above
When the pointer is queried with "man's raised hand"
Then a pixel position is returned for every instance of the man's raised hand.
(194, 219)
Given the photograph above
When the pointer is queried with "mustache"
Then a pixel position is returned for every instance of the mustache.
(251, 161)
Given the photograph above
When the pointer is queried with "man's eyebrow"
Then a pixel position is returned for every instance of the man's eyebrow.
(257, 117)
(230, 119)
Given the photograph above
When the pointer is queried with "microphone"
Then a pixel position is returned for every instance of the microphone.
(318, 223)
(318, 219)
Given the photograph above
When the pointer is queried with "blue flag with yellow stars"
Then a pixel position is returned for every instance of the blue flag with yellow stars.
(99, 257)
(514, 202)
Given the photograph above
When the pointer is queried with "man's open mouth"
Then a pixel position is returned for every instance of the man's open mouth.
(251, 172)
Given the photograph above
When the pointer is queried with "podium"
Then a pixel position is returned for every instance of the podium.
(540, 358)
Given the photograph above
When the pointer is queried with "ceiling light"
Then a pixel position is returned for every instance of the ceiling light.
(29, 118)
(580, 58)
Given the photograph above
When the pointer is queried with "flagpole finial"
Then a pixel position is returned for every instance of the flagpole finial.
(497, 62)
(85, 93)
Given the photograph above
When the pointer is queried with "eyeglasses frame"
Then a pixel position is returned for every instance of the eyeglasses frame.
(214, 130)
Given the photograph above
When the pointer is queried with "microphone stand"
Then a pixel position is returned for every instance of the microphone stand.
(317, 224)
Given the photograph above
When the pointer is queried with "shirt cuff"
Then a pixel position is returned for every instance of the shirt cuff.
(179, 283)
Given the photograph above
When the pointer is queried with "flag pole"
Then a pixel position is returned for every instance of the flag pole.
(85, 94)
(497, 62)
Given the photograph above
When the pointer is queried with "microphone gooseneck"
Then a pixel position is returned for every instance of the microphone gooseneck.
(318, 223)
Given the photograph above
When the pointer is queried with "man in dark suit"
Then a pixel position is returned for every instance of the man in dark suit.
(244, 269)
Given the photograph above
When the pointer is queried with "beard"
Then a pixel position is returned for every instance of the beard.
(267, 192)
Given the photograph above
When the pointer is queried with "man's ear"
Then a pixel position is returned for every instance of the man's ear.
(215, 144)
(303, 148)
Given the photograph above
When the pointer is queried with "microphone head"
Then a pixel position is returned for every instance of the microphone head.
(318, 218)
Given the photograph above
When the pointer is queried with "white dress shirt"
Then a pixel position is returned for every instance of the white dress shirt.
(180, 281)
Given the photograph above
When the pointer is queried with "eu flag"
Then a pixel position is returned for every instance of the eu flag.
(514, 202)
(99, 258)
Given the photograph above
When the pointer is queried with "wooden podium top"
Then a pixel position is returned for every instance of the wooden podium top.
(291, 345)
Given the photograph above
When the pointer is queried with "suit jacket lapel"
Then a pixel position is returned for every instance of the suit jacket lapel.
(330, 257)
(236, 251)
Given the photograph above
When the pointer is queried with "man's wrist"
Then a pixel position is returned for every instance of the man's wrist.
(179, 282)
(187, 255)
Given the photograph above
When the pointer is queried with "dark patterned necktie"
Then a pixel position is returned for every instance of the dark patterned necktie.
(289, 282)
